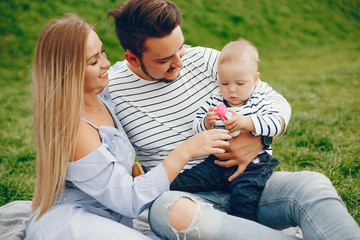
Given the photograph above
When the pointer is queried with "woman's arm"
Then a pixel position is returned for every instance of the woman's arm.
(201, 144)
(100, 174)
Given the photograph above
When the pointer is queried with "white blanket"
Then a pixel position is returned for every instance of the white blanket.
(13, 218)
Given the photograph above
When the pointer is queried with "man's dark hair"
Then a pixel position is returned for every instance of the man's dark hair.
(137, 20)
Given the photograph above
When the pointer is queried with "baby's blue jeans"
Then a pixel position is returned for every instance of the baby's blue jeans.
(245, 190)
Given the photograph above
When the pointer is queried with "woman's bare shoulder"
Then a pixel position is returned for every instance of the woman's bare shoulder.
(88, 140)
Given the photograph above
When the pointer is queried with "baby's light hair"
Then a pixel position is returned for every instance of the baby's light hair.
(240, 51)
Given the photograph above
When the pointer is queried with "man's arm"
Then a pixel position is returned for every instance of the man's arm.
(242, 150)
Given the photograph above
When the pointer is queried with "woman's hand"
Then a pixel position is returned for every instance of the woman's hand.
(201, 144)
(206, 143)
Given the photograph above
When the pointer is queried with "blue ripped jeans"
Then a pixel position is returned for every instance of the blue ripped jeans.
(245, 190)
(304, 199)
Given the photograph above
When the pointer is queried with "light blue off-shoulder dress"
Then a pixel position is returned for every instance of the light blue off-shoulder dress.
(101, 197)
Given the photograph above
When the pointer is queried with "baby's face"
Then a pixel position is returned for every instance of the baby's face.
(236, 82)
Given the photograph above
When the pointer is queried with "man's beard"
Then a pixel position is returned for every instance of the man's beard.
(143, 68)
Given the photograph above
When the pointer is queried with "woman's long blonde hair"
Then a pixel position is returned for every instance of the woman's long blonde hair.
(58, 75)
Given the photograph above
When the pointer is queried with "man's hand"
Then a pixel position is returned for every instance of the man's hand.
(243, 149)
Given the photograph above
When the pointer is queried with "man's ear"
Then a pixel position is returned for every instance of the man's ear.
(133, 60)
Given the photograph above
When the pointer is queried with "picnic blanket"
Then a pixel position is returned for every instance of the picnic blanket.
(14, 216)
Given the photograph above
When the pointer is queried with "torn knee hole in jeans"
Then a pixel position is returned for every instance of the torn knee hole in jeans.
(192, 226)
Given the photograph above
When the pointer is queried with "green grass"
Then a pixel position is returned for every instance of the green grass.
(323, 134)
(310, 53)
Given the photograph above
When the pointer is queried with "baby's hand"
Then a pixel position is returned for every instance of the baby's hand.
(210, 118)
(235, 123)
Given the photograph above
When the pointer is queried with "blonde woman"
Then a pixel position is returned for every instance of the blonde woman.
(84, 188)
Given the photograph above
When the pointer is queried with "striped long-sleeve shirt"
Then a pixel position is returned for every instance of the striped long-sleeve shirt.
(266, 120)
(158, 116)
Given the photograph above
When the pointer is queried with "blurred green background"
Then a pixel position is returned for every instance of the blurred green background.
(309, 50)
